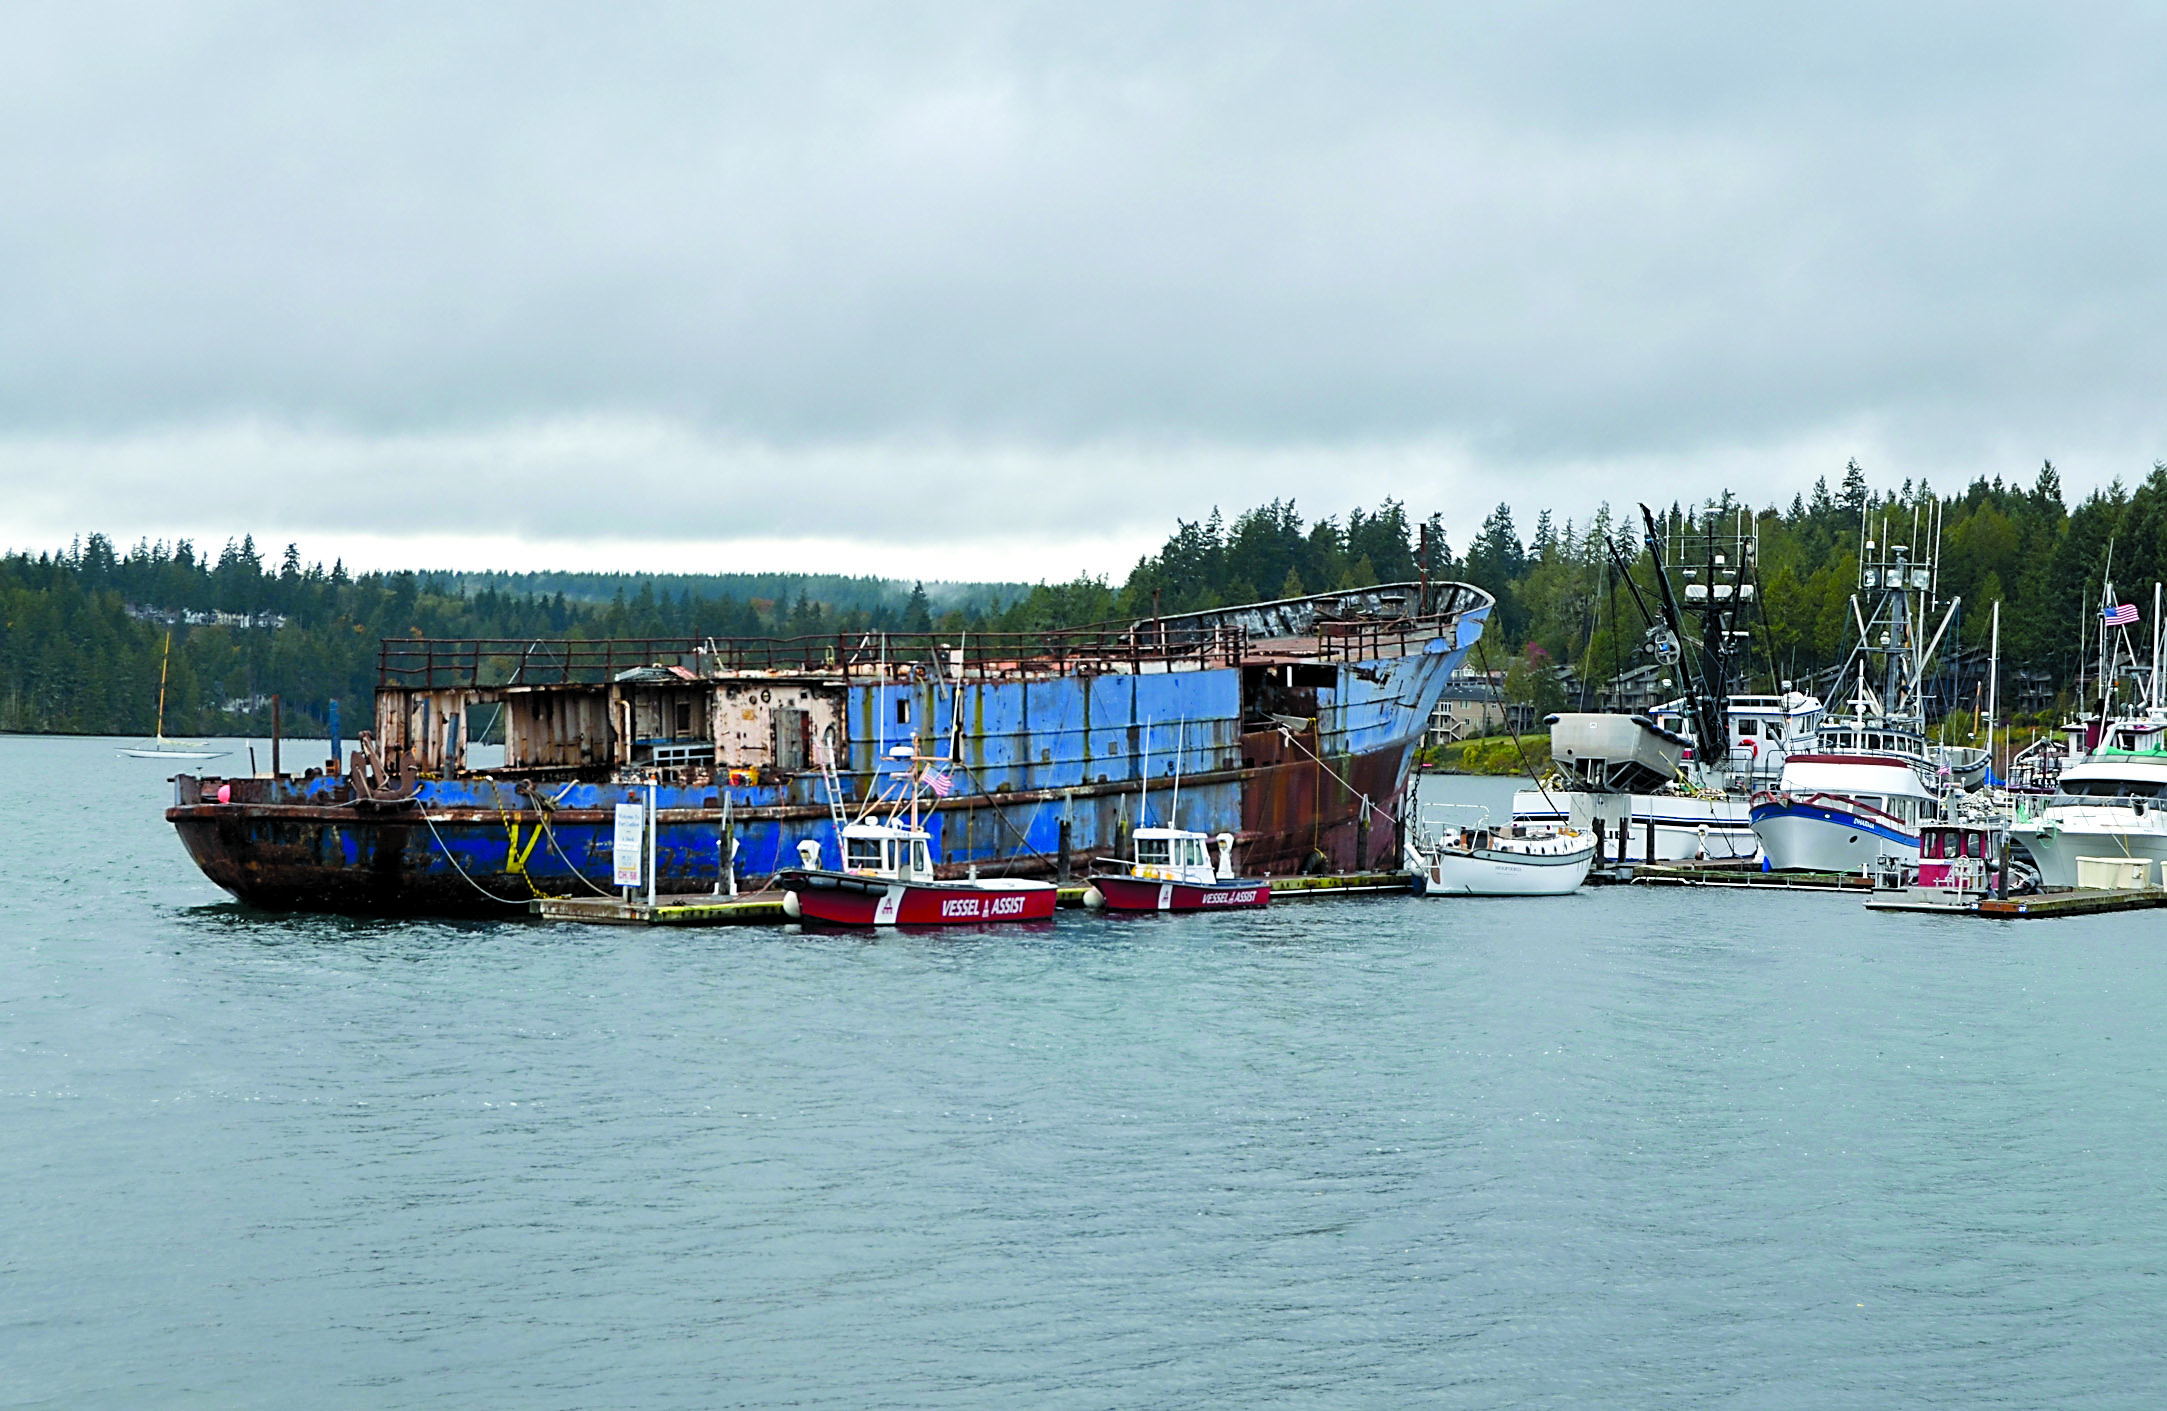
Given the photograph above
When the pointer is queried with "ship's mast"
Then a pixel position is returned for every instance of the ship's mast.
(1903, 593)
(2155, 694)
(1717, 566)
(2106, 606)
(1993, 683)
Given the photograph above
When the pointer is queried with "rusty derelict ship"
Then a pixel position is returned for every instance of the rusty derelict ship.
(1295, 724)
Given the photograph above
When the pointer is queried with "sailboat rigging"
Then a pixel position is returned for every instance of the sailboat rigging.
(164, 748)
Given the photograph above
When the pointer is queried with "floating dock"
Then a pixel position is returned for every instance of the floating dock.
(2074, 903)
(1741, 875)
(766, 908)
(2082, 901)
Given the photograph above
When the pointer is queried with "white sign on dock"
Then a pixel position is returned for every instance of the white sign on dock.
(627, 851)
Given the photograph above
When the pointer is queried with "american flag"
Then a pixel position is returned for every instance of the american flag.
(2123, 616)
(941, 782)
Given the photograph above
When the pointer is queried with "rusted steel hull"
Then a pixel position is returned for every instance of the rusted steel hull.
(1287, 726)
(350, 865)
(1305, 813)
(429, 859)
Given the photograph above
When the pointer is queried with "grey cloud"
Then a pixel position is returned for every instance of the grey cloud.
(1554, 235)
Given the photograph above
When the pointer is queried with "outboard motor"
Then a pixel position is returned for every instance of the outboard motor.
(1226, 855)
(809, 853)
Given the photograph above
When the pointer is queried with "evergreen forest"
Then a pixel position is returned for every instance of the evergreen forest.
(83, 631)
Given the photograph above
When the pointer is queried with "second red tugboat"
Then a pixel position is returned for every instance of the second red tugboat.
(1172, 871)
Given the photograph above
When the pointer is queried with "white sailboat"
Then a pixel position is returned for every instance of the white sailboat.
(1475, 859)
(162, 748)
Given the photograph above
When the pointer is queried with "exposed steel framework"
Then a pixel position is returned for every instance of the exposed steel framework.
(1354, 625)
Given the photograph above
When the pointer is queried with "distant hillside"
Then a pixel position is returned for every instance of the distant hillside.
(83, 630)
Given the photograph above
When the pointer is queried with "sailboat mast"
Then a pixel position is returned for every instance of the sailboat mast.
(2106, 605)
(163, 663)
(2155, 644)
(1993, 683)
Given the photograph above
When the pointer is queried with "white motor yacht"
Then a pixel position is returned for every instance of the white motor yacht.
(2112, 805)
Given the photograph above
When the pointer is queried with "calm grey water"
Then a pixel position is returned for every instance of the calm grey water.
(1629, 1148)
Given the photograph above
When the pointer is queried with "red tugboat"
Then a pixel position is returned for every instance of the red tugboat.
(1172, 871)
(887, 874)
(1960, 863)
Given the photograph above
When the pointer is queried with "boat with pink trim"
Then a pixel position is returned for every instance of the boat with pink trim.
(1960, 864)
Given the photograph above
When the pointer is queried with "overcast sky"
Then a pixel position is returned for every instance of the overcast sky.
(1001, 290)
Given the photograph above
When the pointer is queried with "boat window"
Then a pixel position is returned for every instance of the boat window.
(861, 854)
(2096, 791)
(1930, 844)
(902, 710)
(1775, 729)
(921, 861)
(1974, 845)
(1746, 729)
(1151, 852)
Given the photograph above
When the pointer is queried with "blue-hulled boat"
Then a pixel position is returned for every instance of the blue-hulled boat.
(1291, 725)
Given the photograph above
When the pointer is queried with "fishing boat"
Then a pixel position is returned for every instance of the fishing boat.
(1302, 715)
(1171, 870)
(1860, 798)
(887, 876)
(1478, 860)
(1696, 808)
(1862, 794)
(161, 747)
(1674, 783)
(1958, 866)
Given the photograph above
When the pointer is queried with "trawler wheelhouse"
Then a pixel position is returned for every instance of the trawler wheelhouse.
(884, 850)
(1172, 854)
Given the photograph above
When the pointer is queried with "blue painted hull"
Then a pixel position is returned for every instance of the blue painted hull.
(1825, 837)
(1048, 770)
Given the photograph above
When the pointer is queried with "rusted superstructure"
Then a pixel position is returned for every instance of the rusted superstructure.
(1290, 724)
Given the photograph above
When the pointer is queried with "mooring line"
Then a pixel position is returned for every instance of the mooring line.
(461, 870)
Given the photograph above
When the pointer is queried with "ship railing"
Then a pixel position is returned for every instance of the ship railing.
(494, 663)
